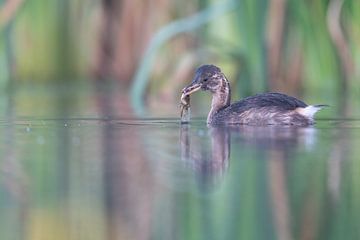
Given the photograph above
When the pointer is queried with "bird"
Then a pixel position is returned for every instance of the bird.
(270, 108)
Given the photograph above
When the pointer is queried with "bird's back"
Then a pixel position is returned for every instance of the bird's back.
(279, 100)
(264, 109)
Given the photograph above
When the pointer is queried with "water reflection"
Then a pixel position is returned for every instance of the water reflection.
(209, 161)
(275, 137)
(278, 145)
(156, 179)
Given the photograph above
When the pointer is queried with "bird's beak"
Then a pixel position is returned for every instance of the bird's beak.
(193, 87)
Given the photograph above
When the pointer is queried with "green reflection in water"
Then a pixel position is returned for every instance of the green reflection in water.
(117, 178)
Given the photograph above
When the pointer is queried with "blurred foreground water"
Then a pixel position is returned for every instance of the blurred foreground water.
(71, 170)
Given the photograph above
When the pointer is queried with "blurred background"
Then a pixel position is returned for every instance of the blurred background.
(91, 147)
(150, 48)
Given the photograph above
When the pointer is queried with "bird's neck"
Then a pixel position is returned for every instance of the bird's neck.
(220, 99)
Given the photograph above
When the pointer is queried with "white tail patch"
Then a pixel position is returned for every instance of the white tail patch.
(310, 110)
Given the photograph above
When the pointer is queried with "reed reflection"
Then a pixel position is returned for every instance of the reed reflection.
(278, 145)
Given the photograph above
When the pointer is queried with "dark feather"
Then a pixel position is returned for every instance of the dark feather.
(278, 100)
(263, 109)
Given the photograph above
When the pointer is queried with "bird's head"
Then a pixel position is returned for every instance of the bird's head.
(207, 78)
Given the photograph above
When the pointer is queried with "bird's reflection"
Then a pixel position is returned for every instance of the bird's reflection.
(209, 164)
(207, 150)
(279, 138)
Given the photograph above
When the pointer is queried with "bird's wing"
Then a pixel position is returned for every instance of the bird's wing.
(278, 100)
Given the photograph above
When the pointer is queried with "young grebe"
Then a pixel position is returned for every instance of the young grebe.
(261, 109)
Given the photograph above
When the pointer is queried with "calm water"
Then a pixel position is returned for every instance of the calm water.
(124, 178)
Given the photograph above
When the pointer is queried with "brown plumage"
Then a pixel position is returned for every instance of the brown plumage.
(261, 109)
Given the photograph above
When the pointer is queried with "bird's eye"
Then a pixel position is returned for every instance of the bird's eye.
(205, 79)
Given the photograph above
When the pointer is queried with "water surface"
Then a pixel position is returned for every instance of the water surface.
(124, 178)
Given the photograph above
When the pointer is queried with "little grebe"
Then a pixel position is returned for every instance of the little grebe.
(261, 109)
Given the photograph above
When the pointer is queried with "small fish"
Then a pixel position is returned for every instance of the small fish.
(185, 108)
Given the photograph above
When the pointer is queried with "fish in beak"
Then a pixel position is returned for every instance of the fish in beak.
(185, 100)
(193, 87)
